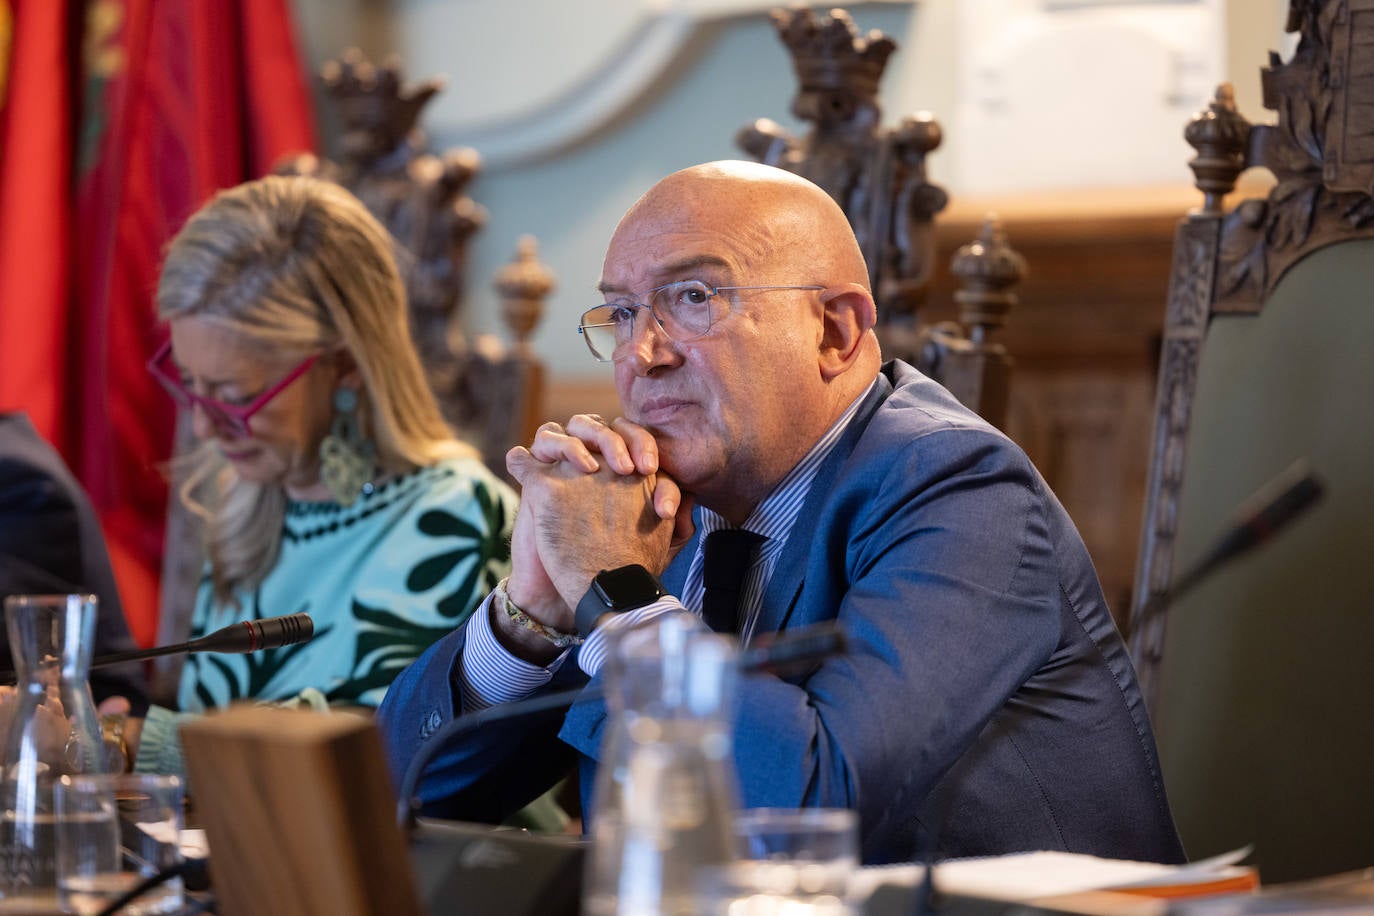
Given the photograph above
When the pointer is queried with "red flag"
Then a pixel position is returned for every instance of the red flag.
(212, 95)
(35, 209)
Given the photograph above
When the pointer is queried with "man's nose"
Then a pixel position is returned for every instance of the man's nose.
(649, 345)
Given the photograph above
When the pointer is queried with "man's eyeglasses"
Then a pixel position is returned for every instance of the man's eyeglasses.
(231, 417)
(682, 310)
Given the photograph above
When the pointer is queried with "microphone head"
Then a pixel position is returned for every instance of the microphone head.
(253, 635)
(1272, 507)
(274, 632)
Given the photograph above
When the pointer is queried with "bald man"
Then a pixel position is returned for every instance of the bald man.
(986, 705)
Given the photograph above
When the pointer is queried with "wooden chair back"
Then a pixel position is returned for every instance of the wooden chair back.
(878, 176)
(1257, 678)
(490, 391)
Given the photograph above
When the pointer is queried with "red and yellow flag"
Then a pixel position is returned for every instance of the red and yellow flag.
(134, 113)
(36, 212)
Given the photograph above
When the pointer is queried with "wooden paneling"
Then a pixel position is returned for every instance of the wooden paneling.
(1084, 338)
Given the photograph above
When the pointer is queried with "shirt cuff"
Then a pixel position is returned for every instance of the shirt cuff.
(595, 648)
(488, 674)
(159, 748)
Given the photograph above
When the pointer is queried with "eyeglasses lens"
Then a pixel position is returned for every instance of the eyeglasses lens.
(599, 330)
(682, 310)
(164, 372)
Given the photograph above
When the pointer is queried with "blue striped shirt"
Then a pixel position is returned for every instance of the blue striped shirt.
(488, 674)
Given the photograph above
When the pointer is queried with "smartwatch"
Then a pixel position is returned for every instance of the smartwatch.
(615, 591)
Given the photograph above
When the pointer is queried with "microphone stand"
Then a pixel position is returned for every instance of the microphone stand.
(408, 804)
(1267, 511)
(785, 653)
(237, 638)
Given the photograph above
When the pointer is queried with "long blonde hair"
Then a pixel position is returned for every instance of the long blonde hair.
(300, 266)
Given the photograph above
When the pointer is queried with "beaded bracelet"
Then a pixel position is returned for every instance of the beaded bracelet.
(518, 617)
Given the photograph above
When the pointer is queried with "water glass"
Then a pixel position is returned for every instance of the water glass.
(113, 832)
(794, 862)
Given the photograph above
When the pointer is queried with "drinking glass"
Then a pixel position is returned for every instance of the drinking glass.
(793, 861)
(113, 832)
(48, 730)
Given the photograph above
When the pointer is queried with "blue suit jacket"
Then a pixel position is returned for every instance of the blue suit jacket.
(986, 705)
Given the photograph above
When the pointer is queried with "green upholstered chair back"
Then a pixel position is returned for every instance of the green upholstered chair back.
(1265, 705)
(1260, 680)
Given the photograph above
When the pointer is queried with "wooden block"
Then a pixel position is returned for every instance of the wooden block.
(299, 814)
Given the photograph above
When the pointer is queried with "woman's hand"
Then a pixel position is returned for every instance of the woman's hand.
(50, 728)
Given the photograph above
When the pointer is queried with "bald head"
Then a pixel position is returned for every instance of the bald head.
(788, 343)
(778, 218)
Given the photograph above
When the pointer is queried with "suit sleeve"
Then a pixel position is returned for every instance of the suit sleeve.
(485, 775)
(948, 593)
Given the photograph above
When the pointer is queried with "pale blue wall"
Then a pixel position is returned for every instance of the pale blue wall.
(735, 71)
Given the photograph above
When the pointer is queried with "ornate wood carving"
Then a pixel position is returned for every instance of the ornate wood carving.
(976, 369)
(1187, 315)
(1322, 154)
(422, 199)
(876, 174)
(1320, 151)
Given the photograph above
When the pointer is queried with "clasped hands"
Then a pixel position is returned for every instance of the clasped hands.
(592, 497)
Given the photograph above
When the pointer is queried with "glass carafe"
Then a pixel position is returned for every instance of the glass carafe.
(53, 732)
(666, 790)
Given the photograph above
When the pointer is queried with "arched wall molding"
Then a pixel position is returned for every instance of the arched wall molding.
(632, 49)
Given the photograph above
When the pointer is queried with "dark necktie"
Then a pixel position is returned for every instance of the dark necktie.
(726, 557)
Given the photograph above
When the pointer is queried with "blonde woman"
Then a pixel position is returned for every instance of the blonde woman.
(326, 479)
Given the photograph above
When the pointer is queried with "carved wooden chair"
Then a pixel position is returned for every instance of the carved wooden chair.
(1258, 679)
(878, 176)
(489, 391)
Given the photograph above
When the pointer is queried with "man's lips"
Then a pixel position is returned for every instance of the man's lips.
(658, 410)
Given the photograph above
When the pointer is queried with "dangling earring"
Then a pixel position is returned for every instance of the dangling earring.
(346, 463)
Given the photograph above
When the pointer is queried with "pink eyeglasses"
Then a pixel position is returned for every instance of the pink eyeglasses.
(224, 416)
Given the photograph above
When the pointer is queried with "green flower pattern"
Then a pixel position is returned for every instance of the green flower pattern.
(384, 641)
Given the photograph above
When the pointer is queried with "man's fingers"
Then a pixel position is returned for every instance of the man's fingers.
(640, 442)
(551, 444)
(598, 435)
(519, 462)
(667, 497)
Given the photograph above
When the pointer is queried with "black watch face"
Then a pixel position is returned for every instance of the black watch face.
(628, 587)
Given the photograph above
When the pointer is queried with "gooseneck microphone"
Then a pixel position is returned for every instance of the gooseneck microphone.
(245, 636)
(1264, 514)
(781, 653)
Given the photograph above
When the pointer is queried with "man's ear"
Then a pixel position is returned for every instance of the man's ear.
(848, 315)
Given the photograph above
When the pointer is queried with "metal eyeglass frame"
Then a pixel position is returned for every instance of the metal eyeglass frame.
(636, 306)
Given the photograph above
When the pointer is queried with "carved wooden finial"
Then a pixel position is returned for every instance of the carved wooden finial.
(377, 110)
(987, 268)
(829, 53)
(1220, 135)
(523, 285)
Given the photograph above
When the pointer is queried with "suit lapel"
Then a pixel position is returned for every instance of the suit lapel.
(789, 575)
